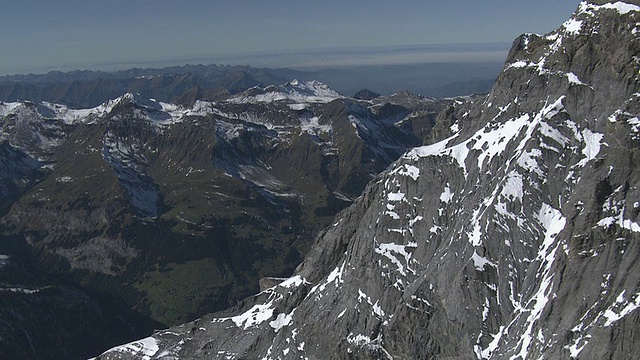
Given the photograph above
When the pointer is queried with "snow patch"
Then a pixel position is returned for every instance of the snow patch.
(479, 261)
(429, 150)
(573, 79)
(393, 215)
(593, 142)
(298, 107)
(572, 27)
(341, 314)
(446, 195)
(518, 64)
(635, 124)
(228, 130)
(293, 282)
(528, 161)
(312, 126)
(281, 321)
(493, 345)
(552, 222)
(409, 170)
(552, 133)
(489, 141)
(474, 235)
(143, 349)
(398, 196)
(390, 250)
(621, 7)
(9, 107)
(620, 221)
(255, 316)
(513, 187)
(334, 277)
(620, 308)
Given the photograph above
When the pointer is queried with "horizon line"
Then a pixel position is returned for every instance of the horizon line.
(310, 58)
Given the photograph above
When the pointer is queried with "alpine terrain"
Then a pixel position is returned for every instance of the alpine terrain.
(150, 214)
(513, 235)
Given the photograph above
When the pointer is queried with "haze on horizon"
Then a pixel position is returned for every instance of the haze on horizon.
(39, 36)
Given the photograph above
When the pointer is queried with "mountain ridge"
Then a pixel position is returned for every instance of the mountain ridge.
(187, 84)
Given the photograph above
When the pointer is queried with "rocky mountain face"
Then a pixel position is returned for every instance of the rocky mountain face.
(514, 235)
(177, 211)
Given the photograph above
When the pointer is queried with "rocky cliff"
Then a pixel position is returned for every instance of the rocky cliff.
(514, 235)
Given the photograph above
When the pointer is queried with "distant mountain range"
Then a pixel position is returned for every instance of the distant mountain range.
(186, 84)
(180, 85)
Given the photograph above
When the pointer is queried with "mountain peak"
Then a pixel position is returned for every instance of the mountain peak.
(365, 94)
(138, 100)
(293, 91)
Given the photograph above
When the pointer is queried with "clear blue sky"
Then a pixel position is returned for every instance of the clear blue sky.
(36, 36)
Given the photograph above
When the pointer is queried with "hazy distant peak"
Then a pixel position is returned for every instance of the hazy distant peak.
(365, 94)
(137, 99)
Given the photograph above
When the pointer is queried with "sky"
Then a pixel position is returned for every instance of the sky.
(38, 36)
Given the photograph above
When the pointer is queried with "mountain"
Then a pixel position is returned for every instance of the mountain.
(513, 235)
(175, 211)
(181, 84)
(295, 91)
(365, 94)
(187, 84)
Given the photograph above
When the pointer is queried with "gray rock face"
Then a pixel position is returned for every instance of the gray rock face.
(515, 235)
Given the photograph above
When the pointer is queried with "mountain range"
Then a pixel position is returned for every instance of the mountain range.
(184, 85)
(166, 212)
(512, 235)
(251, 216)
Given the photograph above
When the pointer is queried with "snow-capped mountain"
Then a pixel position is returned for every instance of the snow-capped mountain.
(297, 92)
(137, 198)
(515, 235)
